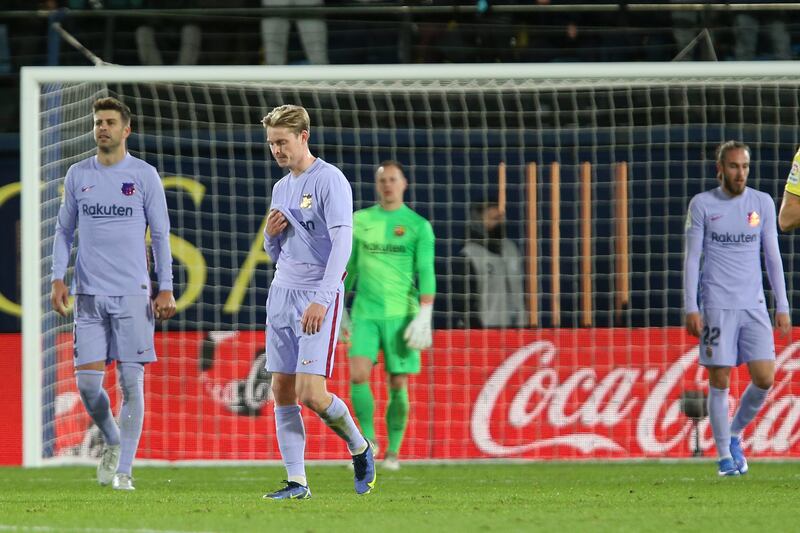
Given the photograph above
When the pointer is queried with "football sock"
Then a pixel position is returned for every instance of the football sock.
(718, 415)
(396, 417)
(291, 441)
(751, 401)
(131, 415)
(95, 400)
(338, 418)
(364, 407)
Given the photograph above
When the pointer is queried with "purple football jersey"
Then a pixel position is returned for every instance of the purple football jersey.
(112, 207)
(313, 202)
(729, 233)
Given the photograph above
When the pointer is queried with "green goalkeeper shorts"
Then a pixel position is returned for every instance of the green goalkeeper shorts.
(368, 336)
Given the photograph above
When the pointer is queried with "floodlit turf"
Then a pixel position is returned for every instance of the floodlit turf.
(560, 497)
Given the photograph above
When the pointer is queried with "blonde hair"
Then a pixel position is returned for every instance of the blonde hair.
(292, 117)
(727, 146)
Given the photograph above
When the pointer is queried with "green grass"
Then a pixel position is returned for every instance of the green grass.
(560, 497)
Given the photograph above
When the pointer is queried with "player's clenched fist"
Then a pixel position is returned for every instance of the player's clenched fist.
(276, 223)
(164, 305)
(59, 297)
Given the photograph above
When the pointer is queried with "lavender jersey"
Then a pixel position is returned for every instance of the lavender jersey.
(313, 202)
(729, 233)
(112, 208)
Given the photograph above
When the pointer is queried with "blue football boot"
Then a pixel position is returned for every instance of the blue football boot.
(364, 470)
(738, 455)
(292, 491)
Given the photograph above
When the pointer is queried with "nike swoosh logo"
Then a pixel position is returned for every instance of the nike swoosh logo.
(716, 217)
(86, 188)
(140, 352)
(305, 362)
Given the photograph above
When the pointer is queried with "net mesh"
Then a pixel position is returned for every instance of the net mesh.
(582, 381)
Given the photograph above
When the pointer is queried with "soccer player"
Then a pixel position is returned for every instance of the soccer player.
(308, 235)
(789, 216)
(112, 198)
(728, 227)
(392, 245)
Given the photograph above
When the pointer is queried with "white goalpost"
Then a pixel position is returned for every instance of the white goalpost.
(594, 165)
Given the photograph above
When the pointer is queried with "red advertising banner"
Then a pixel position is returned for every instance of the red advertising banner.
(11, 399)
(543, 394)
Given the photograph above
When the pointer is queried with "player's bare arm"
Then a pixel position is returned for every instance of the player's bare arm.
(59, 297)
(694, 324)
(276, 223)
(789, 214)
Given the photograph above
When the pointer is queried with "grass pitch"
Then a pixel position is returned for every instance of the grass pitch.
(561, 497)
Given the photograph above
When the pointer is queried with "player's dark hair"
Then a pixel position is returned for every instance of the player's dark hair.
(727, 146)
(112, 104)
(392, 163)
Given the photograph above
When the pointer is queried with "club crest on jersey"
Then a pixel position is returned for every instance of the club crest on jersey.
(794, 174)
(128, 189)
(399, 231)
(753, 219)
(305, 202)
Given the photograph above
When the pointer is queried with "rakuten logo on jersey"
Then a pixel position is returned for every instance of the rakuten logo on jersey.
(106, 211)
(729, 238)
(535, 402)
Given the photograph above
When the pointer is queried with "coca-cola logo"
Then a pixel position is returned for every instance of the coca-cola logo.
(243, 396)
(644, 396)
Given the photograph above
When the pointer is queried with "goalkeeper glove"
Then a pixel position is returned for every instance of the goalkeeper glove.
(418, 334)
(345, 326)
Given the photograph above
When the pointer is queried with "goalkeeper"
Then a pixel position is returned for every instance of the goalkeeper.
(391, 246)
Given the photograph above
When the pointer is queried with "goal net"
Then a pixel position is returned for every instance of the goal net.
(595, 165)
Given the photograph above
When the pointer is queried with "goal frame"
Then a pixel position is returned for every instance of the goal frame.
(33, 78)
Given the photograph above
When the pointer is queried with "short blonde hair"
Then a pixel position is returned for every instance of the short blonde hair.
(292, 117)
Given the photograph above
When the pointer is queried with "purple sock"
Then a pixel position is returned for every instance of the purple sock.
(95, 400)
(131, 415)
(291, 440)
(718, 415)
(749, 405)
(338, 418)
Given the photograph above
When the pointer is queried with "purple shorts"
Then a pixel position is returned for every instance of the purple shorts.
(289, 350)
(731, 337)
(113, 328)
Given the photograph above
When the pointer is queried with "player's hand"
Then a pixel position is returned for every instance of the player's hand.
(419, 333)
(783, 321)
(694, 324)
(312, 319)
(276, 223)
(59, 297)
(345, 327)
(164, 305)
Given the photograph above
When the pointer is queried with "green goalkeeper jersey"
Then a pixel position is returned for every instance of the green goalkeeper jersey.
(390, 250)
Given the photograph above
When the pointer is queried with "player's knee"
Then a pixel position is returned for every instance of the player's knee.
(358, 375)
(283, 391)
(315, 400)
(763, 382)
(89, 383)
(360, 369)
(131, 380)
